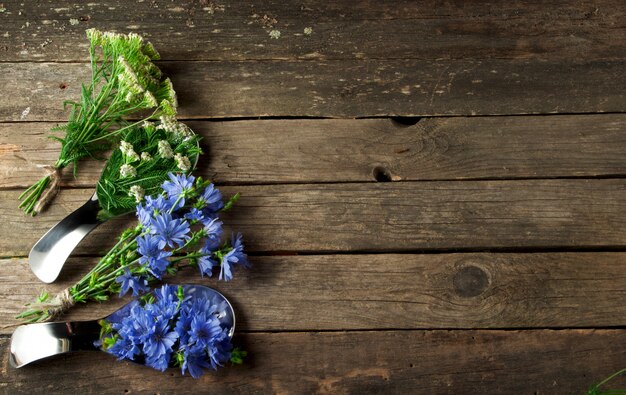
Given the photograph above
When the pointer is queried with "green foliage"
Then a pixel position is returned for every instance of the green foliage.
(140, 150)
(237, 356)
(124, 81)
(596, 390)
(229, 204)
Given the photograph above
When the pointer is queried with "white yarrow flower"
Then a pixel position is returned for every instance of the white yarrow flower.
(149, 50)
(129, 82)
(171, 93)
(137, 192)
(130, 97)
(128, 171)
(95, 36)
(126, 147)
(133, 156)
(134, 36)
(128, 151)
(168, 123)
(182, 162)
(149, 99)
(178, 129)
(165, 150)
(146, 156)
(128, 72)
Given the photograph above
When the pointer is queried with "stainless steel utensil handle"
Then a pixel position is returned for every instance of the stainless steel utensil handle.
(33, 342)
(49, 254)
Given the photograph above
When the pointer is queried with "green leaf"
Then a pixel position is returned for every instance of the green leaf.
(237, 356)
(229, 204)
(43, 296)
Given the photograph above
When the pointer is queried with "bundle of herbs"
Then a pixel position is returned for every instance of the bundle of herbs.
(124, 82)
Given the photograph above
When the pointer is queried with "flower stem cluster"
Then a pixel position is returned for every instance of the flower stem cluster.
(178, 228)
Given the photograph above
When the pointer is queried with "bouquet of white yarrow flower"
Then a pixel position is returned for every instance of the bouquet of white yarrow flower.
(124, 82)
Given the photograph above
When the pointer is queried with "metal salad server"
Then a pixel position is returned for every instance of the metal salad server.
(32, 342)
(49, 254)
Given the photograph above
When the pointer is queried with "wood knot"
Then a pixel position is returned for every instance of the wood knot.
(470, 281)
(382, 174)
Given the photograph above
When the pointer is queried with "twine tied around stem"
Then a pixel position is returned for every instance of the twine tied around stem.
(54, 173)
(56, 306)
(62, 302)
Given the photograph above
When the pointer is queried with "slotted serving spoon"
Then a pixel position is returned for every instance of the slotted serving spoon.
(33, 342)
(49, 254)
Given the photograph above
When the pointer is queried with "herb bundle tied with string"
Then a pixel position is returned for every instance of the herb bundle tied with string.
(124, 82)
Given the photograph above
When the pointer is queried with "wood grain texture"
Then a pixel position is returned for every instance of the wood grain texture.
(329, 150)
(343, 88)
(384, 216)
(416, 362)
(239, 30)
(335, 292)
(416, 322)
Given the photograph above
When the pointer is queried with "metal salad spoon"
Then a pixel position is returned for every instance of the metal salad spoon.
(32, 342)
(49, 254)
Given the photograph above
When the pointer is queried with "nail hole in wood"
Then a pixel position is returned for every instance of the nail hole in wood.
(405, 121)
(381, 174)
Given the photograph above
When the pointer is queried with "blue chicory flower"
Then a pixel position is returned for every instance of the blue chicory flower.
(124, 348)
(194, 215)
(213, 231)
(150, 249)
(166, 304)
(183, 324)
(158, 205)
(206, 263)
(204, 329)
(177, 188)
(153, 206)
(128, 281)
(220, 351)
(143, 215)
(235, 256)
(169, 231)
(212, 199)
(139, 325)
(158, 346)
(172, 324)
(195, 361)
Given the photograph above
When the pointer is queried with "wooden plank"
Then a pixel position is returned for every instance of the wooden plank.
(239, 30)
(335, 292)
(328, 150)
(343, 88)
(416, 362)
(385, 216)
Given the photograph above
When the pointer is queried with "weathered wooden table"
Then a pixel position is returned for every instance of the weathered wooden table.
(432, 194)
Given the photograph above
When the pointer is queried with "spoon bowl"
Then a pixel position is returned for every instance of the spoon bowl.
(34, 342)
